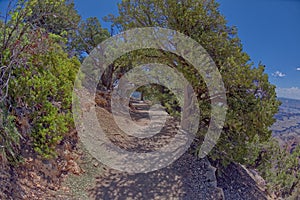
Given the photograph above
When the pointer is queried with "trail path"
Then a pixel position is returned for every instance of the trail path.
(186, 178)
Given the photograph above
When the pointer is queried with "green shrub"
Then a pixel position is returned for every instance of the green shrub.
(43, 89)
(9, 138)
(279, 167)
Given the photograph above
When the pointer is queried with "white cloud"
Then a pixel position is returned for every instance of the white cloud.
(292, 93)
(278, 74)
(298, 69)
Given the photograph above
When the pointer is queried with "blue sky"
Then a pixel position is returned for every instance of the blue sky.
(269, 30)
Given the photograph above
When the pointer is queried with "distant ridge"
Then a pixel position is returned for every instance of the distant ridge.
(288, 99)
(287, 126)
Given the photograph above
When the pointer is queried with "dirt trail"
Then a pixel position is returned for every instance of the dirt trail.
(186, 178)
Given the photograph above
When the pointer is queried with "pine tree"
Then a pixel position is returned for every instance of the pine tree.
(250, 96)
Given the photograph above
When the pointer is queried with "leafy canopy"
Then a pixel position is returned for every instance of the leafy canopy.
(251, 98)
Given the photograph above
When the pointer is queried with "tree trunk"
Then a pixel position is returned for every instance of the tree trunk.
(106, 79)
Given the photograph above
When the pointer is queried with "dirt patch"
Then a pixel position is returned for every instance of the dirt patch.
(37, 178)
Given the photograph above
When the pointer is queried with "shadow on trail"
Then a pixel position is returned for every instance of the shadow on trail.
(186, 178)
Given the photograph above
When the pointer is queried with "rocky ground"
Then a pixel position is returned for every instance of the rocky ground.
(187, 178)
(80, 176)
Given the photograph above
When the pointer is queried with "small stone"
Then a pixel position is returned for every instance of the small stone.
(96, 164)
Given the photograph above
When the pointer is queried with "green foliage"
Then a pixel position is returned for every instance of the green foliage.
(284, 174)
(250, 97)
(89, 34)
(158, 94)
(279, 167)
(40, 76)
(36, 75)
(9, 138)
(44, 89)
(55, 16)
